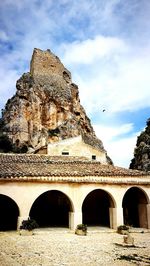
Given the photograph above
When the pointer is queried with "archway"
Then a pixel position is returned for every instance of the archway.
(51, 209)
(135, 208)
(96, 208)
(9, 213)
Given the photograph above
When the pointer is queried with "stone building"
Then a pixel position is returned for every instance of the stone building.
(63, 191)
(77, 146)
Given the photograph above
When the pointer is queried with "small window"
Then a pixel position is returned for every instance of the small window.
(93, 157)
(65, 153)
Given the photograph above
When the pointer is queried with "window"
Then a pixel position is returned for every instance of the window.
(65, 152)
(93, 157)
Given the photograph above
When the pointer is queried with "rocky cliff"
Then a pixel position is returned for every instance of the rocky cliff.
(46, 107)
(141, 160)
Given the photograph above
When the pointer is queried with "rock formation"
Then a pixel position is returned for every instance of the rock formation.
(141, 160)
(46, 107)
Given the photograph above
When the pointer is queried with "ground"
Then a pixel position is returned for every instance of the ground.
(58, 247)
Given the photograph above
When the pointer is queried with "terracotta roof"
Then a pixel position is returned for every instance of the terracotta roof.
(36, 166)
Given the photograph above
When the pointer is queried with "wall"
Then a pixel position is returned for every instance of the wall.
(76, 147)
(25, 193)
(46, 63)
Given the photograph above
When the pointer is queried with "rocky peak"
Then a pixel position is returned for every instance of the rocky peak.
(46, 107)
(141, 160)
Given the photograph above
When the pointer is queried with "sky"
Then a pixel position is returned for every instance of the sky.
(106, 46)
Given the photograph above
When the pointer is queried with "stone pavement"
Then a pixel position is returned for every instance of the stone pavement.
(59, 247)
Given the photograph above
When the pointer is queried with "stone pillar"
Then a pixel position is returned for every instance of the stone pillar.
(112, 217)
(142, 212)
(148, 216)
(74, 219)
(71, 220)
(119, 215)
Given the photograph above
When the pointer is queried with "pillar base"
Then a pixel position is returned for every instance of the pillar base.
(20, 219)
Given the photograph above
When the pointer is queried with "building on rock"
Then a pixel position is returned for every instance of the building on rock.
(46, 109)
(65, 177)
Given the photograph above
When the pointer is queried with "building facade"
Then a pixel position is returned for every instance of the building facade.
(63, 191)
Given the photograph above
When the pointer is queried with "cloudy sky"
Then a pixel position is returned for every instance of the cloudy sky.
(106, 46)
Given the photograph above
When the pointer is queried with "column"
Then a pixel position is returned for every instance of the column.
(75, 218)
(113, 218)
(119, 215)
(148, 216)
(142, 212)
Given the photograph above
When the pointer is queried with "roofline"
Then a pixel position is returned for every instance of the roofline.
(117, 180)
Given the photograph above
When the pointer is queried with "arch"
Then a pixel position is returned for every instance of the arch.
(51, 209)
(9, 213)
(96, 208)
(134, 205)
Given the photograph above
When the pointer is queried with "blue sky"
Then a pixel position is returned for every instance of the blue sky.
(106, 46)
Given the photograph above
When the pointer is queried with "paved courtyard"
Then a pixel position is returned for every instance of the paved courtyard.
(58, 247)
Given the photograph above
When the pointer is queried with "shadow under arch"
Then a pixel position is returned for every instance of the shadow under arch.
(51, 209)
(134, 205)
(96, 208)
(9, 212)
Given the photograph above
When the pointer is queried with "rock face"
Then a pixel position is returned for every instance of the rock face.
(46, 107)
(141, 160)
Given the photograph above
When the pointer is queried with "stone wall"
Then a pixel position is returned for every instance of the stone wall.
(76, 147)
(45, 63)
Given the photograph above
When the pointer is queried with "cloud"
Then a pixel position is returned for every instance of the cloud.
(6, 87)
(110, 132)
(105, 44)
(119, 142)
(110, 72)
(122, 151)
(90, 50)
(3, 36)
